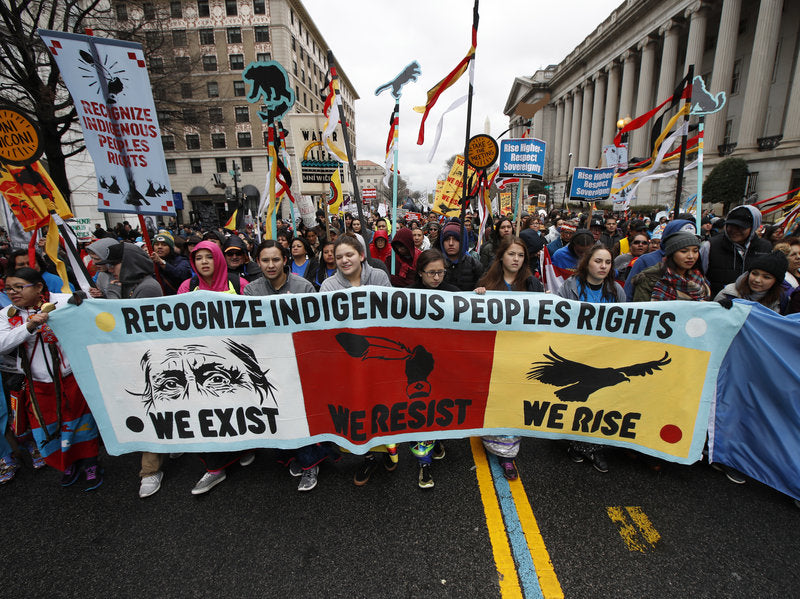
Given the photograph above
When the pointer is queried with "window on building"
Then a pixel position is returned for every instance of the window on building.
(164, 116)
(259, 7)
(303, 75)
(171, 168)
(263, 57)
(262, 34)
(221, 165)
(795, 179)
(175, 10)
(159, 93)
(217, 140)
(209, 62)
(238, 89)
(149, 11)
(213, 89)
(189, 116)
(203, 9)
(231, 8)
(296, 70)
(192, 141)
(196, 165)
(752, 183)
(183, 64)
(157, 64)
(302, 54)
(168, 142)
(237, 62)
(294, 43)
(122, 12)
(215, 115)
(291, 15)
(234, 35)
(728, 131)
(736, 76)
(266, 139)
(247, 164)
(152, 38)
(244, 139)
(242, 114)
(206, 37)
(186, 91)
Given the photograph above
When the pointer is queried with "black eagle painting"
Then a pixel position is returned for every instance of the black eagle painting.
(578, 381)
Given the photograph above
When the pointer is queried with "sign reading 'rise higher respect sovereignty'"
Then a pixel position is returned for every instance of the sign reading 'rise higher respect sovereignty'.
(211, 372)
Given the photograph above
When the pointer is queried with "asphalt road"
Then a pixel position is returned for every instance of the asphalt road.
(683, 532)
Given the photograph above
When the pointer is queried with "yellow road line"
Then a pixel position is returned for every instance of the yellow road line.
(633, 530)
(548, 581)
(646, 528)
(504, 562)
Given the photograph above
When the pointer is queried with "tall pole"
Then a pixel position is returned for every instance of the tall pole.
(698, 215)
(469, 119)
(350, 161)
(566, 183)
(679, 184)
(395, 158)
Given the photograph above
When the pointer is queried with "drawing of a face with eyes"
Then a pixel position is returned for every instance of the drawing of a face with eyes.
(198, 372)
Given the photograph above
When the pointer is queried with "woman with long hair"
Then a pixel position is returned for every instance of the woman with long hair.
(48, 401)
(327, 263)
(508, 272)
(762, 283)
(594, 282)
(303, 263)
(677, 276)
(502, 228)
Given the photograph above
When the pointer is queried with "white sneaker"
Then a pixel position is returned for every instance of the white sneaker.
(150, 484)
(208, 482)
(247, 459)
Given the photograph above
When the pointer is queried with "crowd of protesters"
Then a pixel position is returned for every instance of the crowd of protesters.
(591, 258)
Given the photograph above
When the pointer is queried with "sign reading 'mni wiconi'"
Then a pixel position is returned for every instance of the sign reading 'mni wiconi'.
(208, 371)
(591, 183)
(522, 158)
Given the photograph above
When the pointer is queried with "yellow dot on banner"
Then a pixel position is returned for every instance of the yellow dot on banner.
(105, 322)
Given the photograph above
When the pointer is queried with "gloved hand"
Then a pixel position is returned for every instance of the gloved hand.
(77, 297)
(726, 303)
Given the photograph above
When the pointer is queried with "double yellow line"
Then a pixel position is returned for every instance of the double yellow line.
(514, 534)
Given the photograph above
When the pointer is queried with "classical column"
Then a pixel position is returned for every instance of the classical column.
(669, 60)
(724, 57)
(695, 46)
(644, 99)
(762, 58)
(628, 84)
(791, 126)
(575, 134)
(554, 151)
(582, 156)
(612, 104)
(595, 143)
(565, 134)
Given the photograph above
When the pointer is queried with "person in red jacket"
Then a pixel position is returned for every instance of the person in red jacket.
(404, 273)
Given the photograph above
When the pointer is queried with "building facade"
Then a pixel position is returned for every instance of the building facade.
(632, 62)
(215, 129)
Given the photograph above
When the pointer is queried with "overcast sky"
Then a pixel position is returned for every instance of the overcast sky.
(373, 40)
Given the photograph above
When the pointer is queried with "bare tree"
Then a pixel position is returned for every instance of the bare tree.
(30, 78)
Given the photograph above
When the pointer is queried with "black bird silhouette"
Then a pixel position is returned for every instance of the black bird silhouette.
(579, 381)
(419, 361)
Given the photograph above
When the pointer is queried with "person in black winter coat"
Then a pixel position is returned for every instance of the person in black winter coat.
(463, 271)
(238, 260)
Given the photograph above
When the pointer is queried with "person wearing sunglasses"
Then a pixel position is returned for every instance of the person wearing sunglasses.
(639, 244)
(238, 260)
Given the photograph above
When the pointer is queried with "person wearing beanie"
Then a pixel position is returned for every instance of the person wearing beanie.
(656, 256)
(761, 283)
(566, 230)
(463, 270)
(677, 277)
(728, 256)
(173, 269)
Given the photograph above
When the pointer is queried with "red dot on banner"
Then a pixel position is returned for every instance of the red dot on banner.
(671, 433)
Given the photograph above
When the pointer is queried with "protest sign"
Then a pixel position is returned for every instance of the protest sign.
(110, 89)
(448, 198)
(591, 184)
(522, 157)
(211, 372)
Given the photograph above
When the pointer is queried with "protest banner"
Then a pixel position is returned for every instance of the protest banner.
(591, 184)
(110, 89)
(505, 203)
(211, 372)
(448, 197)
(522, 157)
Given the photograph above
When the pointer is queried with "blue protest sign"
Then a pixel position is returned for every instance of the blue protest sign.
(591, 183)
(522, 158)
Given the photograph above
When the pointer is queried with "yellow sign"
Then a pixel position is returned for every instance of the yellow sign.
(19, 138)
(482, 151)
(448, 196)
(505, 202)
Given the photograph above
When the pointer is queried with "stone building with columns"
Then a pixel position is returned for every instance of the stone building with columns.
(634, 60)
